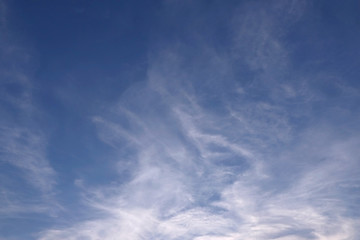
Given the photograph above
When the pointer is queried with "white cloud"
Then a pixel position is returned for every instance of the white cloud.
(242, 172)
(26, 150)
(179, 191)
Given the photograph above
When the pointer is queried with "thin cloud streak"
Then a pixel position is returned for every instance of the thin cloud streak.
(22, 142)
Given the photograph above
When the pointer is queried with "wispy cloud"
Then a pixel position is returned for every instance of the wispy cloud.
(22, 142)
(182, 189)
(203, 165)
(26, 151)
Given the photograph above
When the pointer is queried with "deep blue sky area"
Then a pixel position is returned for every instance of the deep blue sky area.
(170, 119)
(89, 37)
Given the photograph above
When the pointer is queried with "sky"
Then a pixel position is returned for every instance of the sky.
(179, 119)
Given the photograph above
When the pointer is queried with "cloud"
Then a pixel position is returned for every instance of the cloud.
(27, 171)
(208, 162)
(26, 150)
(181, 187)
(182, 193)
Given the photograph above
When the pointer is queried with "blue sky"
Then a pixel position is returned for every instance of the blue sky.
(191, 120)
